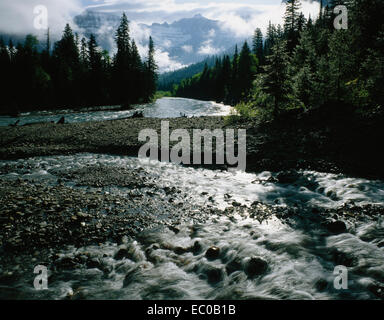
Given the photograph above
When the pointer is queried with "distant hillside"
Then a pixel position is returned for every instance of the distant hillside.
(168, 79)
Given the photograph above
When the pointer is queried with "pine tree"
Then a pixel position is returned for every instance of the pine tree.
(247, 70)
(123, 82)
(151, 70)
(276, 75)
(235, 89)
(67, 73)
(291, 23)
(270, 40)
(258, 46)
(84, 58)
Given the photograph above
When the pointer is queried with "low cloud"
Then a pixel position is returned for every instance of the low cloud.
(187, 49)
(208, 49)
(165, 63)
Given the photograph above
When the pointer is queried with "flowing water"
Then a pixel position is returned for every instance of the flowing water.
(300, 260)
(299, 256)
(162, 108)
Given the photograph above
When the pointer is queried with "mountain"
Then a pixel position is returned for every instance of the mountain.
(185, 41)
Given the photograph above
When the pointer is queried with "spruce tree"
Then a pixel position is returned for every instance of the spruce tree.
(123, 82)
(151, 70)
(276, 75)
(291, 23)
(258, 45)
(247, 70)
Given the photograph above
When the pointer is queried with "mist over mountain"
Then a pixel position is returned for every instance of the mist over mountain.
(178, 44)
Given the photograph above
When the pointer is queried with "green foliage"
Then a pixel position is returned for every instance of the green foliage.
(162, 94)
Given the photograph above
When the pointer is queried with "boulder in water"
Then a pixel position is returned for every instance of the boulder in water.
(234, 265)
(121, 254)
(287, 176)
(255, 267)
(213, 274)
(212, 253)
(137, 114)
(336, 227)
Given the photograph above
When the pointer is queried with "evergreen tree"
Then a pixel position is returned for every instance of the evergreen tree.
(66, 74)
(247, 70)
(151, 70)
(292, 22)
(258, 46)
(276, 75)
(123, 83)
(270, 39)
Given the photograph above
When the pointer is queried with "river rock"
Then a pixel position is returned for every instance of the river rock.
(287, 176)
(121, 254)
(66, 263)
(234, 265)
(212, 253)
(212, 274)
(255, 267)
(196, 249)
(336, 227)
(93, 263)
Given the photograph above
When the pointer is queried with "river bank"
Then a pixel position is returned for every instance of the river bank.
(313, 141)
(108, 226)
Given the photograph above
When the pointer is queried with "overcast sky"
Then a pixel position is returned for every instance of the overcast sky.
(238, 16)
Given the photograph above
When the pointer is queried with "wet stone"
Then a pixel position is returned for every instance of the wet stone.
(321, 284)
(234, 265)
(287, 176)
(336, 227)
(344, 259)
(196, 249)
(121, 254)
(212, 274)
(66, 263)
(255, 267)
(93, 263)
(212, 253)
(180, 250)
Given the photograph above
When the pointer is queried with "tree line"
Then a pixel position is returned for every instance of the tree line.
(75, 72)
(305, 63)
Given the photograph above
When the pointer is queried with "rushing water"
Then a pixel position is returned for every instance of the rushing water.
(162, 108)
(300, 261)
(300, 258)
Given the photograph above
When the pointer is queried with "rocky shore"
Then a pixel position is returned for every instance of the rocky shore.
(38, 219)
(318, 140)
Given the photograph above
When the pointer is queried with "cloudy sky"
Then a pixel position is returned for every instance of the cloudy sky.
(238, 17)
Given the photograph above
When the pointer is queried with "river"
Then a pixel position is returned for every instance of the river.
(298, 254)
(161, 108)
